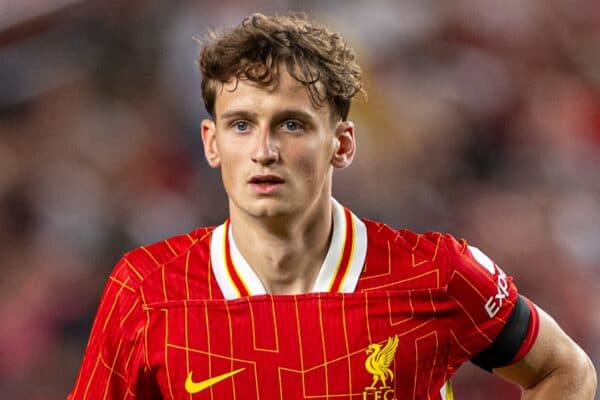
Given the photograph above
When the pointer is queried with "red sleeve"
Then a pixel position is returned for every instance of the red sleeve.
(114, 365)
(484, 298)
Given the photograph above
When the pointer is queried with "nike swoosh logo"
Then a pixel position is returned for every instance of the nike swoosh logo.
(195, 387)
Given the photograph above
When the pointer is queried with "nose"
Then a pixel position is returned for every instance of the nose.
(266, 151)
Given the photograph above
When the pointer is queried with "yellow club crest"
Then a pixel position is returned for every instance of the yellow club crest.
(378, 364)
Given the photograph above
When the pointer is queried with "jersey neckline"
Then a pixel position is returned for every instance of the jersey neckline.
(339, 272)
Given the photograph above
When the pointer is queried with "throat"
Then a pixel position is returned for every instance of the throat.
(287, 255)
(292, 272)
(285, 265)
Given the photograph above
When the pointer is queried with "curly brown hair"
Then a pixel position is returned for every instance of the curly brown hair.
(256, 48)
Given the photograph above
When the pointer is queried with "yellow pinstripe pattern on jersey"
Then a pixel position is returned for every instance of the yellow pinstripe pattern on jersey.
(275, 322)
(437, 247)
(412, 311)
(299, 338)
(207, 232)
(164, 285)
(135, 271)
(417, 327)
(367, 316)
(167, 372)
(471, 318)
(323, 345)
(412, 255)
(135, 341)
(280, 385)
(435, 355)
(416, 343)
(254, 329)
(459, 343)
(130, 393)
(133, 307)
(208, 346)
(122, 284)
(87, 388)
(186, 276)
(346, 341)
(114, 304)
(303, 371)
(432, 303)
(187, 334)
(146, 325)
(483, 297)
(230, 346)
(151, 255)
(457, 273)
(185, 315)
(412, 278)
(389, 270)
(170, 248)
(111, 369)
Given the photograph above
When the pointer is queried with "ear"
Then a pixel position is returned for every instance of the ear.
(345, 144)
(211, 152)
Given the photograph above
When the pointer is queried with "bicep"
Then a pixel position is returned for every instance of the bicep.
(553, 349)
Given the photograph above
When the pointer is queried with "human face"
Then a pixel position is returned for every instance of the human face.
(276, 150)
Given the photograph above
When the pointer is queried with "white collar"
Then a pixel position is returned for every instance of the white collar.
(339, 272)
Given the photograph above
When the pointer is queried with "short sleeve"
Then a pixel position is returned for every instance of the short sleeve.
(484, 297)
(113, 365)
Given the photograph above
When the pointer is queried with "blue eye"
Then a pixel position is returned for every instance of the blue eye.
(241, 126)
(292, 125)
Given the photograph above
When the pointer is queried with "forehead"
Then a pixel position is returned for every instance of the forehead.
(284, 92)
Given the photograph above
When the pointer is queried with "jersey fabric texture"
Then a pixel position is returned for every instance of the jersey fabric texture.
(392, 315)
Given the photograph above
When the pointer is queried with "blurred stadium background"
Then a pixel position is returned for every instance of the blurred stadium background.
(483, 120)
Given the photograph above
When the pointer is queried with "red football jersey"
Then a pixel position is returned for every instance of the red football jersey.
(392, 315)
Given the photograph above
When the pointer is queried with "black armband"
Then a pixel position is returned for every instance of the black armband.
(507, 344)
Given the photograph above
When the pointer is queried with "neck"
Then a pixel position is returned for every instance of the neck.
(286, 253)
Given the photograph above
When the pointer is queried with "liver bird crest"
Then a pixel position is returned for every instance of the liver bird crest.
(379, 360)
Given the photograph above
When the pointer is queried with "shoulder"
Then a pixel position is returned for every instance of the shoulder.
(400, 240)
(137, 265)
(404, 254)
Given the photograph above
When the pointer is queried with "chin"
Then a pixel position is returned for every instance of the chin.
(267, 212)
(270, 208)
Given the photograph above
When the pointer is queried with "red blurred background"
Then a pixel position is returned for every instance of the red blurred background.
(483, 119)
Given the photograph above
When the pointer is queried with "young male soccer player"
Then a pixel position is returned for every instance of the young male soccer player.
(294, 297)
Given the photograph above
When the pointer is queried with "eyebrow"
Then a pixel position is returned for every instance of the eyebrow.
(279, 115)
(239, 114)
(293, 113)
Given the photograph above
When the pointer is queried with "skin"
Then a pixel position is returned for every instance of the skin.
(555, 367)
(284, 233)
(278, 131)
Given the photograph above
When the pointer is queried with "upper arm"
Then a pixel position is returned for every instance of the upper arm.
(552, 353)
(114, 354)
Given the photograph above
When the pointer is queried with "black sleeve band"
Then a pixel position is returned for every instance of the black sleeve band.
(506, 346)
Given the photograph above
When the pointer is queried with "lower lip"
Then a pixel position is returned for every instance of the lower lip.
(266, 188)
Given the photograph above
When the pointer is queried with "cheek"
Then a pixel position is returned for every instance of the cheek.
(229, 167)
(314, 168)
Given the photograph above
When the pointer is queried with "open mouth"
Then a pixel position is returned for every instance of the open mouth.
(266, 180)
(266, 184)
